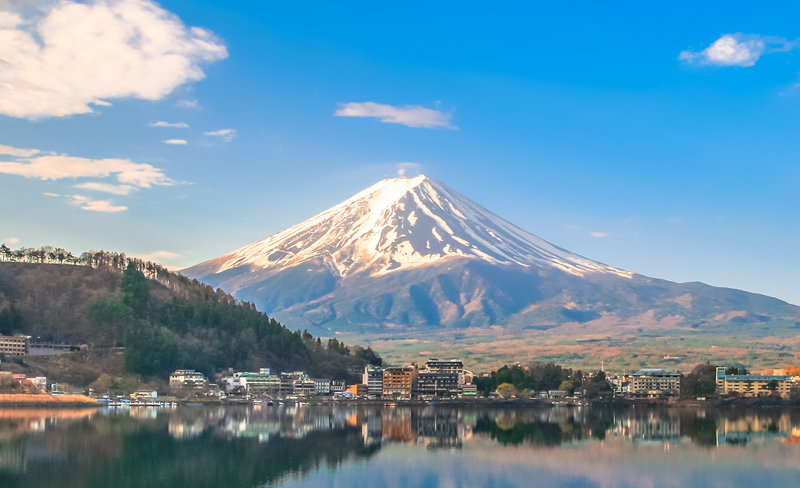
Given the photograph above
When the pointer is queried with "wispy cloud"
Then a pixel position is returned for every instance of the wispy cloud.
(408, 115)
(227, 135)
(16, 152)
(161, 123)
(107, 188)
(103, 103)
(738, 50)
(130, 176)
(87, 203)
(405, 169)
(12, 240)
(70, 55)
(177, 142)
(54, 167)
(593, 234)
(195, 104)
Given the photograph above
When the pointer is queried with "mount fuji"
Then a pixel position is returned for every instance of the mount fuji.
(412, 254)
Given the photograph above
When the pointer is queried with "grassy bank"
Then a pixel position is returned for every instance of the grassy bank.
(46, 400)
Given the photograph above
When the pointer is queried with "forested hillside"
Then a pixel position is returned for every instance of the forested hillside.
(163, 320)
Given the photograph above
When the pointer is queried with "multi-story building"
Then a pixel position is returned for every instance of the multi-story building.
(652, 382)
(441, 378)
(752, 385)
(399, 382)
(338, 386)
(620, 383)
(288, 381)
(373, 378)
(187, 378)
(305, 387)
(253, 383)
(16, 345)
(323, 387)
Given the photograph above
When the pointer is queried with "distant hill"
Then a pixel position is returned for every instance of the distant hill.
(164, 323)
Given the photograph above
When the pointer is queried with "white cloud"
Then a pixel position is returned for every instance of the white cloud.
(599, 234)
(16, 152)
(409, 115)
(161, 123)
(12, 240)
(87, 203)
(226, 134)
(103, 103)
(52, 194)
(738, 50)
(78, 54)
(107, 188)
(179, 142)
(54, 167)
(403, 168)
(189, 104)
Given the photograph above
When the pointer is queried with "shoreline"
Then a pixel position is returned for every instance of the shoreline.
(82, 401)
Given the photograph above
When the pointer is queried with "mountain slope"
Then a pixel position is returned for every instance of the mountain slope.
(411, 252)
(164, 324)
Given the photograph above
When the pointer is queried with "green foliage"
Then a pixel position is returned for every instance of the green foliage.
(10, 320)
(135, 291)
(596, 385)
(536, 377)
(369, 356)
(772, 385)
(702, 381)
(210, 335)
(338, 347)
(506, 390)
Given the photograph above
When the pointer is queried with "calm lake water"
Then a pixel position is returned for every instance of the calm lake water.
(359, 446)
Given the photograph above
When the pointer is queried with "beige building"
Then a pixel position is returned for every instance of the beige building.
(654, 382)
(16, 345)
(187, 378)
(398, 382)
(752, 385)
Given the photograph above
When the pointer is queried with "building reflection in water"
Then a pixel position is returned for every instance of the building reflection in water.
(33, 439)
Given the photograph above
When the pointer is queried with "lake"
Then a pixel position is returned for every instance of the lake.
(363, 446)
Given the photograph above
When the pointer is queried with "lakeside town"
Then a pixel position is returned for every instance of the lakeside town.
(435, 380)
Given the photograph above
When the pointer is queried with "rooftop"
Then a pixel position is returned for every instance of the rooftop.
(655, 372)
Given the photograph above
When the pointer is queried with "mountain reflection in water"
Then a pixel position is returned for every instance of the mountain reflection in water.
(426, 446)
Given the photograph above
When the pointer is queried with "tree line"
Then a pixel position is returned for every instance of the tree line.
(118, 263)
(524, 380)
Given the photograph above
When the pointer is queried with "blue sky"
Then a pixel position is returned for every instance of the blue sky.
(662, 140)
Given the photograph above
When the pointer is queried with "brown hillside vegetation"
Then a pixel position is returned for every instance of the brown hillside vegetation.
(22, 399)
(143, 322)
(52, 299)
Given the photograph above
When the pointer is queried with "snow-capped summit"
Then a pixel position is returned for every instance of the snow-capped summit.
(402, 223)
(411, 252)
